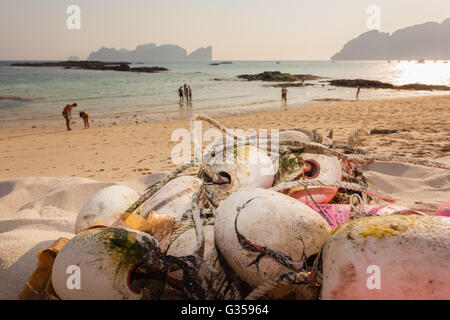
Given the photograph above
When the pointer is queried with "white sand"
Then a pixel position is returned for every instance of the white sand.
(36, 211)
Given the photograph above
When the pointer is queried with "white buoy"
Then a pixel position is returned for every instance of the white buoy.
(105, 207)
(243, 166)
(97, 264)
(388, 257)
(175, 198)
(315, 166)
(267, 219)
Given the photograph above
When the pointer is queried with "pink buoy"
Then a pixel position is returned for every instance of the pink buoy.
(337, 214)
(444, 210)
(388, 258)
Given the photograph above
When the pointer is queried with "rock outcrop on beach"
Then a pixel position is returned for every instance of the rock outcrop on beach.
(151, 52)
(10, 98)
(93, 65)
(425, 41)
(277, 76)
(383, 85)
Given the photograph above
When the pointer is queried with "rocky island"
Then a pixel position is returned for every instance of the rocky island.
(383, 85)
(277, 76)
(93, 65)
(150, 52)
(427, 41)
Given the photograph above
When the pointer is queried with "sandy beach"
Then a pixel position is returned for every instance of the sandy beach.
(47, 174)
(123, 151)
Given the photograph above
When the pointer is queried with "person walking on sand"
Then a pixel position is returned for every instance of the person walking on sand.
(85, 117)
(190, 92)
(67, 114)
(358, 91)
(284, 92)
(180, 93)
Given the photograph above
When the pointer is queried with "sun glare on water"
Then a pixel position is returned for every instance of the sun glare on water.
(429, 72)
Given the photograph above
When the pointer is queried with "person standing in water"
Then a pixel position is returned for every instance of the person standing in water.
(190, 92)
(186, 92)
(358, 91)
(284, 92)
(67, 114)
(180, 93)
(85, 117)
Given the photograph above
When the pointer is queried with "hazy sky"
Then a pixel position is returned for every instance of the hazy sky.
(237, 29)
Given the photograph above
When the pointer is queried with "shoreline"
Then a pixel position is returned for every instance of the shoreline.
(185, 112)
(129, 150)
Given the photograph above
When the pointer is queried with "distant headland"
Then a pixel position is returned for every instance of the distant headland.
(151, 52)
(428, 41)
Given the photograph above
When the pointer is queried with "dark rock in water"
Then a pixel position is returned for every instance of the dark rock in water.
(92, 65)
(148, 69)
(277, 76)
(382, 85)
(123, 67)
(424, 87)
(291, 84)
(361, 83)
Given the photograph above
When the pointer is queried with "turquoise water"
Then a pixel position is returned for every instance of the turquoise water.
(47, 90)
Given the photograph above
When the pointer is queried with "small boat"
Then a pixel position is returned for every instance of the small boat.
(219, 63)
(278, 62)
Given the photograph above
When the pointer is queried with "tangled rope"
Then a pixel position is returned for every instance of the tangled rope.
(154, 188)
(299, 278)
(194, 265)
(370, 158)
(262, 251)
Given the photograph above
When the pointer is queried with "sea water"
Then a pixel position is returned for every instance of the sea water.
(45, 91)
